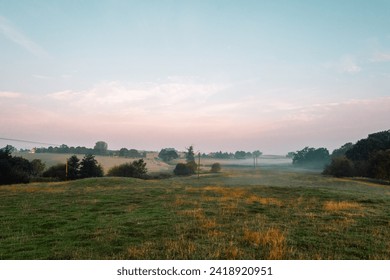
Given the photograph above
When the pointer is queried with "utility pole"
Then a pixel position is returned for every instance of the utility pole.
(66, 171)
(198, 165)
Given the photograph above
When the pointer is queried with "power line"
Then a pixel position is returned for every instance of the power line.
(28, 141)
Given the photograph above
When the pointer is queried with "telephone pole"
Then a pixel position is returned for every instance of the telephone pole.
(198, 165)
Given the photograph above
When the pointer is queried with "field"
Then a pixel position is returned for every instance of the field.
(240, 213)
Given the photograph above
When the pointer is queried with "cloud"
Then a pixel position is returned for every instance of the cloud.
(152, 98)
(9, 94)
(380, 57)
(16, 36)
(346, 64)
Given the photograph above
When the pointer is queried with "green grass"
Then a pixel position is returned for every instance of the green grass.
(237, 214)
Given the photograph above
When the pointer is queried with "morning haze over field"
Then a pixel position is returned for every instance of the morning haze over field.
(195, 130)
(221, 75)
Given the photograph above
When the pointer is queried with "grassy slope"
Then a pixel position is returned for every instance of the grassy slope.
(239, 214)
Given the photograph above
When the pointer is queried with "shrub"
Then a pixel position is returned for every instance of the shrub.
(136, 169)
(311, 157)
(89, 167)
(340, 167)
(168, 154)
(57, 171)
(379, 165)
(185, 169)
(216, 167)
(13, 170)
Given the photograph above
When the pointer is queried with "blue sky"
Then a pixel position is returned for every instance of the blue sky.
(221, 75)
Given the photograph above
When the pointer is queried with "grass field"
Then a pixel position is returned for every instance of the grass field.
(239, 213)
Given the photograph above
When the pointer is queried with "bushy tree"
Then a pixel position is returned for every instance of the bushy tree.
(136, 169)
(37, 167)
(312, 157)
(13, 170)
(240, 155)
(215, 167)
(190, 155)
(89, 167)
(73, 168)
(101, 148)
(185, 169)
(168, 154)
(363, 148)
(369, 157)
(379, 165)
(342, 150)
(340, 167)
(57, 172)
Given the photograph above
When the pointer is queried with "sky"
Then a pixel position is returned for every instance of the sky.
(274, 76)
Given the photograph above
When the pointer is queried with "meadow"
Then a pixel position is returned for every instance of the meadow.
(239, 213)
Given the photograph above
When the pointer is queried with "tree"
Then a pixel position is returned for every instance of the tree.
(37, 167)
(101, 148)
(240, 155)
(13, 170)
(73, 168)
(123, 152)
(312, 157)
(363, 148)
(133, 153)
(168, 154)
(89, 167)
(190, 155)
(290, 155)
(342, 150)
(136, 169)
(379, 165)
(184, 169)
(256, 154)
(56, 171)
(216, 167)
(340, 167)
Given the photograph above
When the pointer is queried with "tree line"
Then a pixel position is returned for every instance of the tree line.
(15, 170)
(368, 157)
(100, 148)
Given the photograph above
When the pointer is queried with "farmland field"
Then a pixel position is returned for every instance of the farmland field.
(239, 213)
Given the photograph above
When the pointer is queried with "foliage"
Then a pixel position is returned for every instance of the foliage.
(57, 171)
(73, 168)
(168, 154)
(190, 155)
(340, 167)
(13, 170)
(136, 169)
(132, 153)
(185, 169)
(101, 148)
(364, 147)
(342, 150)
(240, 155)
(379, 165)
(257, 154)
(312, 157)
(37, 167)
(369, 157)
(221, 155)
(215, 167)
(89, 167)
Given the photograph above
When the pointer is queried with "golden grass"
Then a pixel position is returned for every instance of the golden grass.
(33, 189)
(264, 200)
(272, 238)
(341, 205)
(180, 248)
